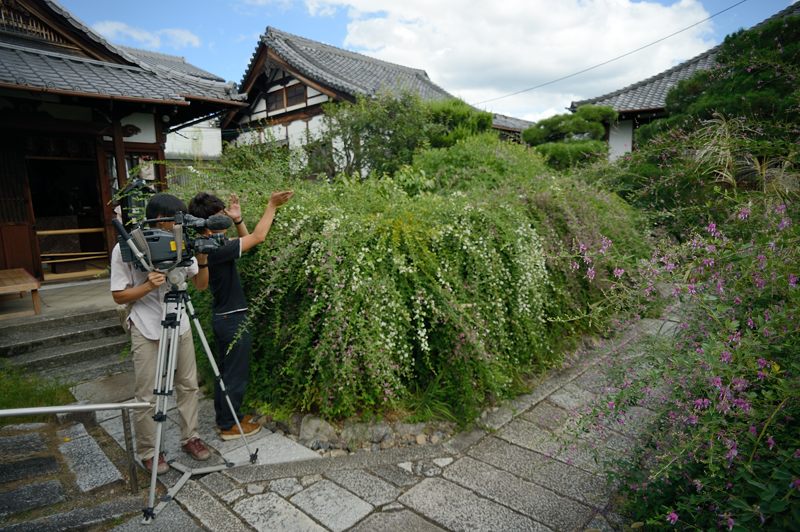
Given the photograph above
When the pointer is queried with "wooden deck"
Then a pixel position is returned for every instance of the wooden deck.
(16, 282)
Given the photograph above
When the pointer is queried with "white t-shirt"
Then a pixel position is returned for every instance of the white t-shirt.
(146, 312)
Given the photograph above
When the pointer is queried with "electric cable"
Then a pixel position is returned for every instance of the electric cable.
(562, 78)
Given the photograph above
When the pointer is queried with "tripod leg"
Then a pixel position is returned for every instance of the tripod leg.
(196, 321)
(163, 386)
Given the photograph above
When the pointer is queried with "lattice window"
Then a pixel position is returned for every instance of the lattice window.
(14, 18)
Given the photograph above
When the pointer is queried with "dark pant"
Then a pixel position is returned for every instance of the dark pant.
(234, 365)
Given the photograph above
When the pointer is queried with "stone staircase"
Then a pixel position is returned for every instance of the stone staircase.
(61, 477)
(72, 348)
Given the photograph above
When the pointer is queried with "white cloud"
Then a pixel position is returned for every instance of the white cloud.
(481, 50)
(175, 38)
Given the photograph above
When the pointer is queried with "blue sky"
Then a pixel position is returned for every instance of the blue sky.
(476, 50)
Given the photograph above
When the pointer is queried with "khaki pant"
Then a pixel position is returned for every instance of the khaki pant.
(145, 354)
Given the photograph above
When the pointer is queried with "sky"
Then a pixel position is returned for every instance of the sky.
(478, 50)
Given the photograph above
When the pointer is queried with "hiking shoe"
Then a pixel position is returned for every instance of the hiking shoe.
(197, 449)
(233, 432)
(161, 468)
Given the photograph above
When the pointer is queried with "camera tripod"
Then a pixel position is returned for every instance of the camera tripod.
(176, 303)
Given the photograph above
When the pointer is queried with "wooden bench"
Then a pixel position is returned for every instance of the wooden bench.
(19, 281)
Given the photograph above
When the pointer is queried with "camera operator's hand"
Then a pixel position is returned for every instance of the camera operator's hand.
(279, 198)
(156, 279)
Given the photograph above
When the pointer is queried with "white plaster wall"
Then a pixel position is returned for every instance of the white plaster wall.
(620, 139)
(201, 141)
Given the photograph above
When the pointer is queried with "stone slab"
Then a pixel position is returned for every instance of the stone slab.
(86, 460)
(455, 508)
(369, 487)
(400, 521)
(396, 475)
(28, 468)
(572, 397)
(285, 487)
(86, 518)
(527, 435)
(211, 513)
(333, 506)
(21, 444)
(172, 518)
(547, 416)
(268, 512)
(31, 496)
(555, 475)
(533, 500)
(272, 449)
(116, 388)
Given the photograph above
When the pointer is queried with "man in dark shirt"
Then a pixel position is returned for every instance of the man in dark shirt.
(229, 305)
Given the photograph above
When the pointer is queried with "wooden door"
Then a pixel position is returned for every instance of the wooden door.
(18, 244)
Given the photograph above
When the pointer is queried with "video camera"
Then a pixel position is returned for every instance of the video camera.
(157, 249)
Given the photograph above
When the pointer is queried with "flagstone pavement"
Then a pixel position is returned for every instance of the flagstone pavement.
(520, 468)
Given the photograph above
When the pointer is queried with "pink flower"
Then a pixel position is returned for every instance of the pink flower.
(619, 271)
(725, 357)
(701, 404)
(611, 405)
(574, 265)
(730, 523)
(795, 484)
(785, 222)
(590, 274)
(753, 430)
(672, 518)
(770, 442)
(763, 363)
(744, 213)
(792, 280)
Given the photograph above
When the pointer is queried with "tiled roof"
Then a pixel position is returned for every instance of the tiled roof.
(510, 123)
(651, 94)
(51, 71)
(170, 63)
(349, 72)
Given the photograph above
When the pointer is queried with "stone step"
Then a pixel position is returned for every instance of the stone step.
(57, 333)
(71, 354)
(31, 324)
(90, 369)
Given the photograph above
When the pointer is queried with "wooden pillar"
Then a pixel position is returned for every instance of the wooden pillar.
(119, 154)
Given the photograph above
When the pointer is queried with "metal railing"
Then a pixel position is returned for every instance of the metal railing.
(126, 425)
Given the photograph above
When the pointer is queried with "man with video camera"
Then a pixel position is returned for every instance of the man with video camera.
(230, 306)
(144, 292)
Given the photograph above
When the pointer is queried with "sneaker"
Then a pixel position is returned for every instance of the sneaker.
(233, 432)
(161, 468)
(197, 449)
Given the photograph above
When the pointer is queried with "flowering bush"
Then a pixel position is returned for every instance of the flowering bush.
(382, 294)
(728, 451)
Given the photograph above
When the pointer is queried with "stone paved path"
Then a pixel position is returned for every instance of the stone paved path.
(522, 469)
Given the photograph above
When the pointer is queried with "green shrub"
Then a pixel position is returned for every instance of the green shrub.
(380, 135)
(565, 155)
(440, 287)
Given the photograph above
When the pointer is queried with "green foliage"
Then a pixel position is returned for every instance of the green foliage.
(565, 155)
(439, 288)
(381, 134)
(454, 120)
(728, 451)
(28, 390)
(678, 177)
(587, 123)
(479, 162)
(755, 78)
